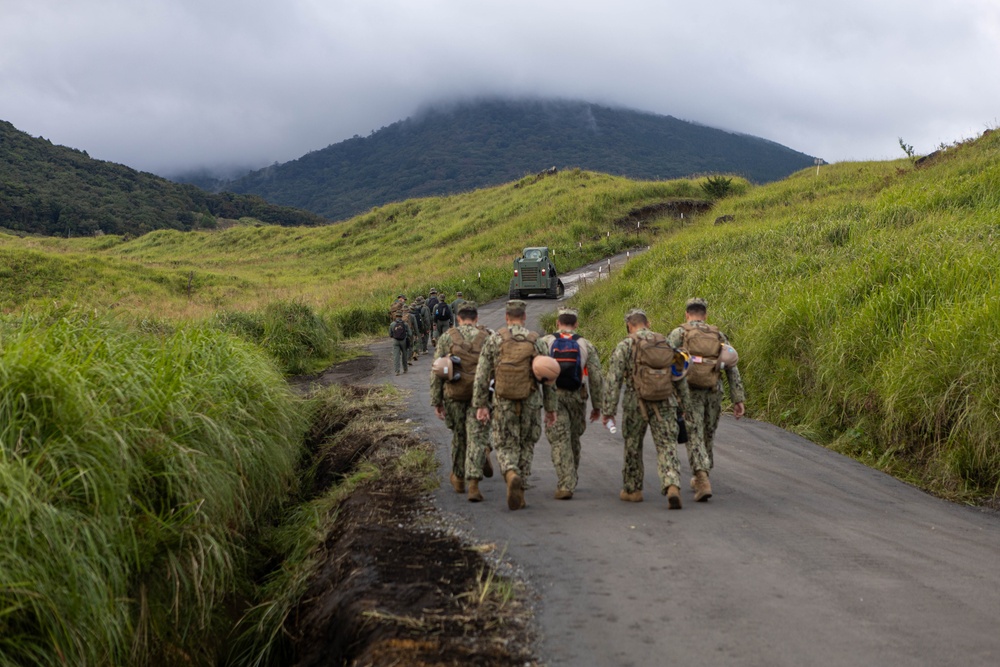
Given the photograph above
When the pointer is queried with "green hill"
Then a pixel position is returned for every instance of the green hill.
(54, 190)
(864, 301)
(473, 145)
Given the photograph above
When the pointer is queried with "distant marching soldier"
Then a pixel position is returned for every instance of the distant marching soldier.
(580, 375)
(506, 360)
(413, 319)
(459, 300)
(399, 332)
(451, 398)
(432, 301)
(642, 362)
(425, 322)
(443, 316)
(705, 344)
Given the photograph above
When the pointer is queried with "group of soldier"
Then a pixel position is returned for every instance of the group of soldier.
(411, 326)
(491, 388)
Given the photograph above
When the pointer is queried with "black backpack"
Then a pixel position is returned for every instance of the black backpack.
(442, 312)
(398, 330)
(566, 350)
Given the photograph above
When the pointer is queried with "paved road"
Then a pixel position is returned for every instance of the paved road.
(802, 557)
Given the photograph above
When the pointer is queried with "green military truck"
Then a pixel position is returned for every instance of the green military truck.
(534, 273)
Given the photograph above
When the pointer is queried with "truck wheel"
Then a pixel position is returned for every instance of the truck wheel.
(553, 291)
(513, 292)
(560, 290)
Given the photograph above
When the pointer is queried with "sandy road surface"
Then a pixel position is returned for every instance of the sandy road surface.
(802, 557)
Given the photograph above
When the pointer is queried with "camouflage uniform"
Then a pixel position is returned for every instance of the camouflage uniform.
(399, 354)
(469, 437)
(441, 326)
(425, 320)
(516, 425)
(706, 404)
(412, 317)
(660, 416)
(571, 417)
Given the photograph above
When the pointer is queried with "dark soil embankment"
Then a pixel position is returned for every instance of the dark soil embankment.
(393, 587)
(675, 208)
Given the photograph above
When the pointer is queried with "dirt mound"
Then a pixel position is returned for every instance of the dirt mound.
(674, 208)
(393, 589)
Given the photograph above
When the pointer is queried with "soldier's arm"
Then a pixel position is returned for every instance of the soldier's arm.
(684, 395)
(595, 376)
(437, 384)
(676, 338)
(484, 372)
(549, 397)
(613, 381)
(736, 392)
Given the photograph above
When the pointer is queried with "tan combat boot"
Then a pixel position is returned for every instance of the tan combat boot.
(702, 487)
(563, 494)
(673, 497)
(474, 495)
(633, 497)
(457, 483)
(487, 465)
(515, 490)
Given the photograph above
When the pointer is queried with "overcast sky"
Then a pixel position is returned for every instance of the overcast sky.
(168, 85)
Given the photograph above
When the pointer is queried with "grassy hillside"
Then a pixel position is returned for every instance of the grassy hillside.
(353, 269)
(54, 190)
(488, 142)
(864, 301)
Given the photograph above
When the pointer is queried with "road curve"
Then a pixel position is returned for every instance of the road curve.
(802, 556)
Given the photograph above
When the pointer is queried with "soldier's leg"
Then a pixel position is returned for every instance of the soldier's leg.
(697, 456)
(633, 430)
(506, 433)
(477, 440)
(531, 431)
(456, 414)
(397, 355)
(558, 436)
(578, 424)
(713, 409)
(664, 429)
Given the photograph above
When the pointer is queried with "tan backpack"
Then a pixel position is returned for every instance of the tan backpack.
(703, 343)
(512, 375)
(652, 357)
(468, 352)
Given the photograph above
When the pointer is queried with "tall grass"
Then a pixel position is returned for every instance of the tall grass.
(864, 303)
(133, 467)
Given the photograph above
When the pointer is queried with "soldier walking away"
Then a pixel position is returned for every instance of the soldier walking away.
(579, 376)
(451, 396)
(399, 332)
(459, 300)
(425, 324)
(642, 362)
(444, 318)
(506, 360)
(413, 319)
(705, 344)
(432, 301)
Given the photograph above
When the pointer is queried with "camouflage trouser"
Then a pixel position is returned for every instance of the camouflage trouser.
(399, 355)
(440, 327)
(469, 439)
(564, 437)
(706, 405)
(516, 429)
(663, 425)
(423, 341)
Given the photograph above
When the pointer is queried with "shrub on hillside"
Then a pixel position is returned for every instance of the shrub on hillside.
(290, 331)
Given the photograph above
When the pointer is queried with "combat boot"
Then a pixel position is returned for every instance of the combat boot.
(515, 490)
(673, 495)
(702, 487)
(633, 497)
(563, 494)
(474, 495)
(487, 465)
(457, 483)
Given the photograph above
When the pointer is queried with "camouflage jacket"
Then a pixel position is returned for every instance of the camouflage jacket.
(488, 361)
(443, 349)
(620, 371)
(413, 318)
(736, 391)
(595, 375)
(425, 317)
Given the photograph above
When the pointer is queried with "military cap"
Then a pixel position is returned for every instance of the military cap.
(568, 311)
(458, 294)
(466, 307)
(419, 299)
(696, 301)
(401, 296)
(434, 290)
(398, 314)
(516, 304)
(635, 311)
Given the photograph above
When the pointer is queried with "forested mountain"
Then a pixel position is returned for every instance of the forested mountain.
(54, 190)
(477, 144)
